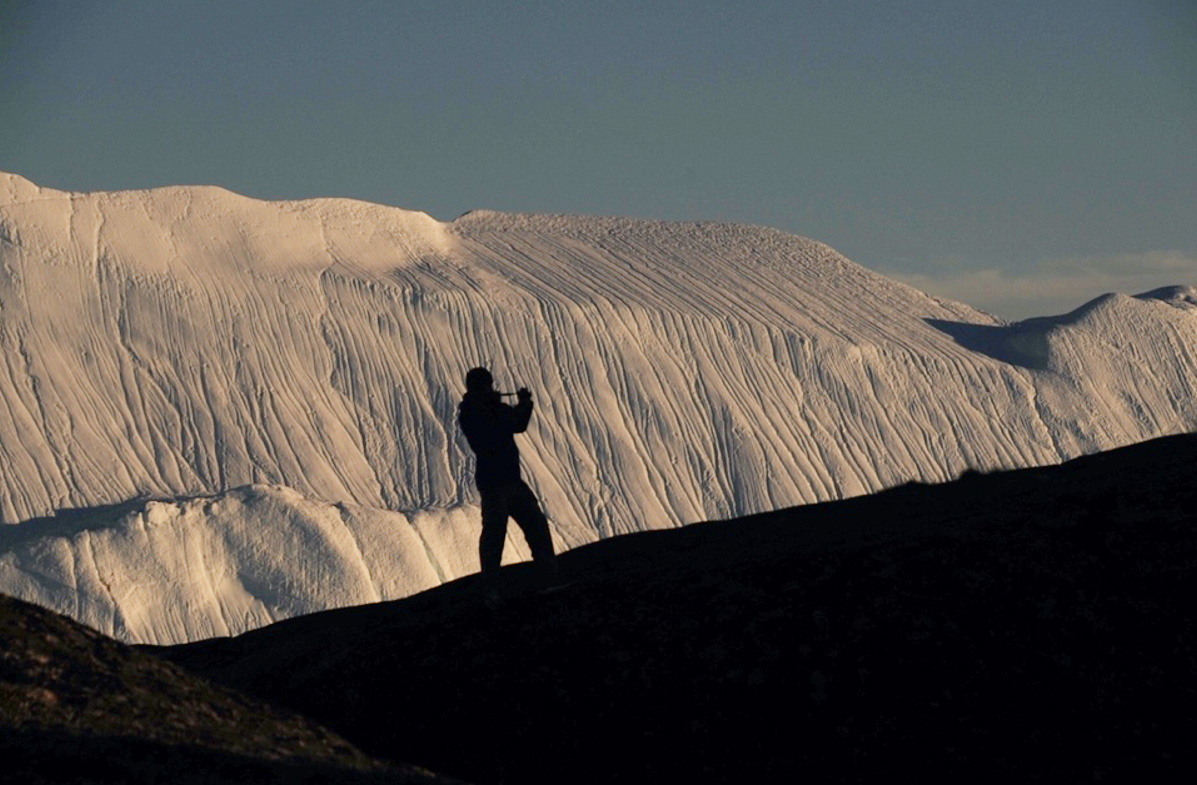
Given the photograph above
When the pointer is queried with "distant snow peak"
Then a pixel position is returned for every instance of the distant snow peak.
(180, 342)
(1179, 296)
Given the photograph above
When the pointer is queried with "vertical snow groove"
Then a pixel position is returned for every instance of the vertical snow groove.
(429, 554)
(116, 622)
(343, 517)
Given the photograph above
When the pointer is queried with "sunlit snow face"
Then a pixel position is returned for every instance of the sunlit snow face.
(686, 371)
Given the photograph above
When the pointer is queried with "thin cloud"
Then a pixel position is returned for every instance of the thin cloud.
(1056, 285)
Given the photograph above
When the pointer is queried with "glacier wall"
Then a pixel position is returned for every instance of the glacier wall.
(186, 342)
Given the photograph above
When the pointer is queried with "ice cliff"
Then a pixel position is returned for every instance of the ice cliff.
(189, 342)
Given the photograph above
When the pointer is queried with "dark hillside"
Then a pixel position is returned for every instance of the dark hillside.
(78, 707)
(1031, 624)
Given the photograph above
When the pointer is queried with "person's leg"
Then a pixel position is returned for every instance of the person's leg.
(535, 525)
(495, 510)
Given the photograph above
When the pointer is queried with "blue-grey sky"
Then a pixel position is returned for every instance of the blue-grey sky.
(1021, 156)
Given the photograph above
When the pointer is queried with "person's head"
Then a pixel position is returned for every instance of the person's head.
(479, 380)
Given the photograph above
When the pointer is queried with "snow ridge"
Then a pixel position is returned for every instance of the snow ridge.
(186, 341)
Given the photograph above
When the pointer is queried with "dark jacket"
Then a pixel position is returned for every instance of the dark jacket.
(489, 426)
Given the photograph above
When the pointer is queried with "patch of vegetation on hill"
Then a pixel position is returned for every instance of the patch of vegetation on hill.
(76, 706)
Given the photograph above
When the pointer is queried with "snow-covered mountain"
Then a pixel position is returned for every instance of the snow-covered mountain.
(186, 342)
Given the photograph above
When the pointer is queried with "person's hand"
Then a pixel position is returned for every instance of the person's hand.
(524, 394)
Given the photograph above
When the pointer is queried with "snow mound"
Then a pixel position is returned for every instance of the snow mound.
(175, 570)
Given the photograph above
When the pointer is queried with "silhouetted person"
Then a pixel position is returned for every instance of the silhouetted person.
(490, 426)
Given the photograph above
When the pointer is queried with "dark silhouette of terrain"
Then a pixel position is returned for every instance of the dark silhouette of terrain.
(78, 707)
(1033, 624)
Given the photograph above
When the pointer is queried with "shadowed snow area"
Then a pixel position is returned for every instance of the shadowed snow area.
(188, 341)
(1106, 323)
(200, 567)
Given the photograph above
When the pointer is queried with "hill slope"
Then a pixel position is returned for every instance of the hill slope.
(1029, 624)
(176, 346)
(78, 707)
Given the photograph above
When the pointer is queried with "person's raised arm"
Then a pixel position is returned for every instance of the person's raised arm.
(523, 410)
